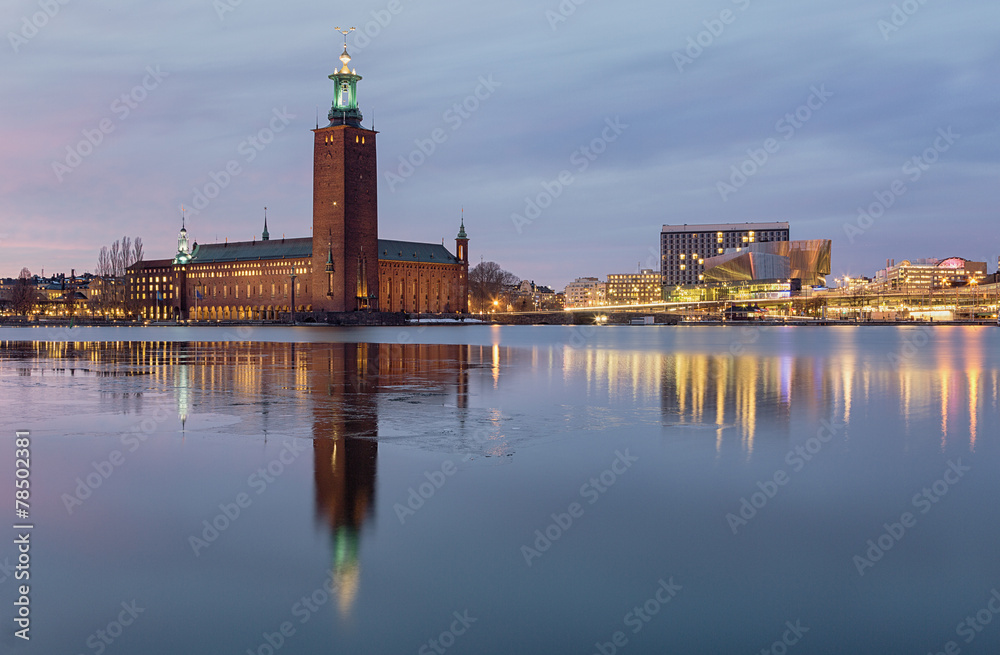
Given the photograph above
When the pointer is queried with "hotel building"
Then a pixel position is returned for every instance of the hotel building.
(684, 248)
(639, 288)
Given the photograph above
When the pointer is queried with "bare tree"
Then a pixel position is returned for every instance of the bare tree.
(24, 296)
(112, 269)
(103, 263)
(114, 258)
(489, 282)
(102, 303)
(126, 254)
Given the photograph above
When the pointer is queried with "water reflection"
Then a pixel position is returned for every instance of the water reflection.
(686, 408)
(738, 399)
(742, 397)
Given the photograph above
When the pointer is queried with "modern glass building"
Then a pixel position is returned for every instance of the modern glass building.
(684, 248)
(807, 261)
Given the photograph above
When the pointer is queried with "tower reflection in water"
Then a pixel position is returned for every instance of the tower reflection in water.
(345, 452)
(345, 383)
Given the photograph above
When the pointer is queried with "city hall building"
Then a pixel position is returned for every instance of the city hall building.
(343, 267)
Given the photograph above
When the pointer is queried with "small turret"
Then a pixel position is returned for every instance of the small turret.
(462, 242)
(183, 255)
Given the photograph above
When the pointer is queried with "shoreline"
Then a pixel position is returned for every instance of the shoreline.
(64, 323)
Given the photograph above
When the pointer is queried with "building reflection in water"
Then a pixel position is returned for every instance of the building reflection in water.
(345, 452)
(740, 399)
(332, 393)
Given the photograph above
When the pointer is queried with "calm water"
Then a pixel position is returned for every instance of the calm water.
(514, 490)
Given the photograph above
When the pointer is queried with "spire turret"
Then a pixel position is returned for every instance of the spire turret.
(345, 101)
(462, 243)
(265, 236)
(183, 255)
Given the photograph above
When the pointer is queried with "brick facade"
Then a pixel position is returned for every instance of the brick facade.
(339, 269)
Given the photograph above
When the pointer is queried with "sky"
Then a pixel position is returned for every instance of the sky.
(569, 131)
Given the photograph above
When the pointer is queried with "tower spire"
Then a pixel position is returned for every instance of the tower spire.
(184, 254)
(265, 236)
(345, 101)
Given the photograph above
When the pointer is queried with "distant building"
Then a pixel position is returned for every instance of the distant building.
(807, 261)
(585, 292)
(529, 297)
(930, 273)
(57, 294)
(684, 248)
(639, 288)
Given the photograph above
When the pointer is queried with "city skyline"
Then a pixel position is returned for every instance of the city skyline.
(481, 109)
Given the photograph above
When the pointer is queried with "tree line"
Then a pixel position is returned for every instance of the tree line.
(112, 294)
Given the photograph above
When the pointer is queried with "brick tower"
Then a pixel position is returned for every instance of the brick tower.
(345, 204)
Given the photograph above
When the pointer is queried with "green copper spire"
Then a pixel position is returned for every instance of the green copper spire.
(265, 235)
(183, 255)
(461, 229)
(345, 101)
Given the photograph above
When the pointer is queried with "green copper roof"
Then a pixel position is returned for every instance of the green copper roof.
(409, 251)
(388, 249)
(461, 230)
(252, 250)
